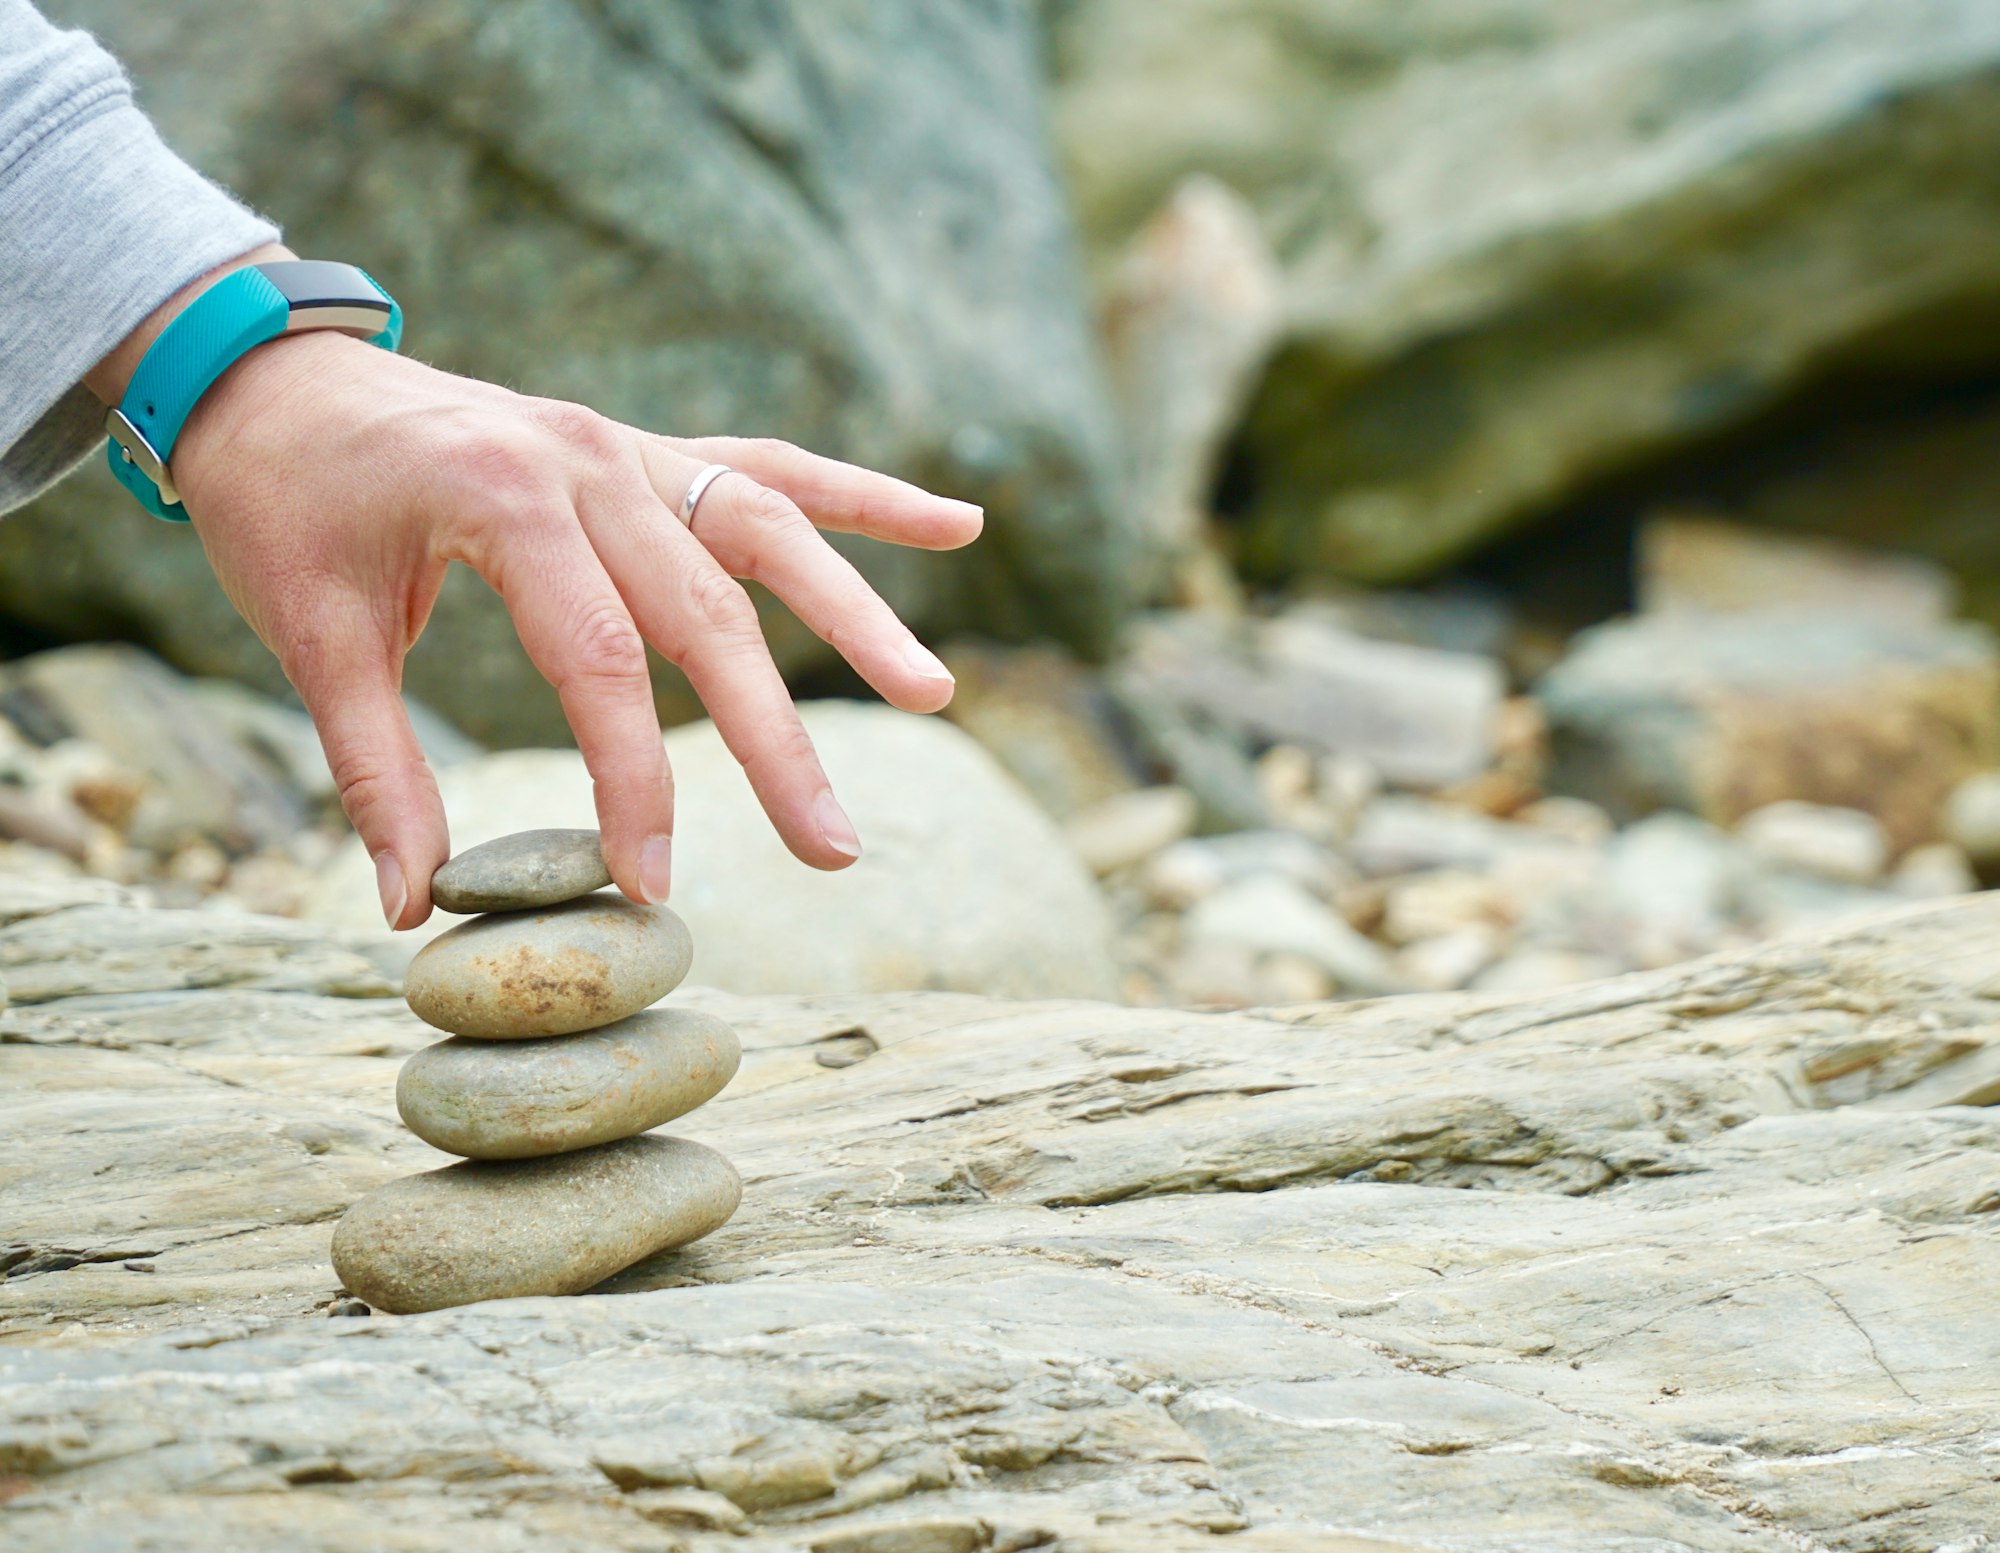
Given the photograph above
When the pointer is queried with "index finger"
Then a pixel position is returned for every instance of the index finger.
(578, 632)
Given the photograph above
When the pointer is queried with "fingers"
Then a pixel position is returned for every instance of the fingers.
(759, 533)
(570, 588)
(704, 622)
(349, 684)
(841, 497)
(579, 634)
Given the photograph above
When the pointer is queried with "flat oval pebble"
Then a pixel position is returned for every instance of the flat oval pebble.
(527, 869)
(505, 1229)
(521, 1099)
(573, 966)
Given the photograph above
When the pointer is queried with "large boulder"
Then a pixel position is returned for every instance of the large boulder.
(963, 883)
(835, 225)
(1529, 243)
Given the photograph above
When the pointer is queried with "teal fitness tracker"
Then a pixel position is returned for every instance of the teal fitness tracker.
(243, 309)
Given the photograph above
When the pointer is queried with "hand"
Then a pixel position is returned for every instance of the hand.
(331, 483)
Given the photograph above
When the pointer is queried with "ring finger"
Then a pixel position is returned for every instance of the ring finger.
(758, 533)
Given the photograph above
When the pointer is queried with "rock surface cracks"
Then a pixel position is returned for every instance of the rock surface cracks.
(1698, 1259)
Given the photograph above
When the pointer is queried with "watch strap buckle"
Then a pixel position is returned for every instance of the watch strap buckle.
(142, 455)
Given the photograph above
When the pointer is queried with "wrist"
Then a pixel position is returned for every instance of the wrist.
(190, 344)
(264, 379)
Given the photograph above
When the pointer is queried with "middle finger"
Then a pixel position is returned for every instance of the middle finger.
(705, 624)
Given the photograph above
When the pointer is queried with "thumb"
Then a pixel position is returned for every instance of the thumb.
(386, 788)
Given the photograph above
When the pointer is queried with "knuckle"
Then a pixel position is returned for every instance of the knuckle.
(762, 529)
(784, 745)
(579, 426)
(720, 606)
(367, 783)
(761, 451)
(606, 645)
(506, 472)
(791, 744)
(329, 642)
(774, 512)
(362, 789)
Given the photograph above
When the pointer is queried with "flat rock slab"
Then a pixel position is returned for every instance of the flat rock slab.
(1697, 1261)
(521, 1099)
(527, 869)
(495, 1230)
(573, 966)
(106, 947)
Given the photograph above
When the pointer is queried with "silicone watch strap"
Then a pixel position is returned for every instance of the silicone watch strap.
(242, 310)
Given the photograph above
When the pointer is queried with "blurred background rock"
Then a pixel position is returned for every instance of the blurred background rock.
(1482, 492)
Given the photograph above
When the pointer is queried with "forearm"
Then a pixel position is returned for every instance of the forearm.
(101, 227)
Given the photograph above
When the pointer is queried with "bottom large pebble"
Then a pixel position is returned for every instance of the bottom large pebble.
(501, 1229)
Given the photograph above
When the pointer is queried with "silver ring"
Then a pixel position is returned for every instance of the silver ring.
(702, 482)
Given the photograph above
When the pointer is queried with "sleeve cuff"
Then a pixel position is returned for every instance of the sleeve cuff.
(104, 223)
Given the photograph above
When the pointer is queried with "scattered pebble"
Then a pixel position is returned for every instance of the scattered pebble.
(1128, 828)
(1539, 970)
(1842, 844)
(1292, 978)
(1447, 901)
(199, 864)
(1938, 868)
(1269, 915)
(1334, 881)
(1572, 819)
(1972, 817)
(1449, 961)
(1670, 887)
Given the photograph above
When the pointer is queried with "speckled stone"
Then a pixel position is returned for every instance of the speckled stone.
(516, 873)
(572, 966)
(521, 1099)
(504, 1229)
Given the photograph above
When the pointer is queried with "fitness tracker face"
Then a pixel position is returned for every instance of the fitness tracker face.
(239, 312)
(326, 295)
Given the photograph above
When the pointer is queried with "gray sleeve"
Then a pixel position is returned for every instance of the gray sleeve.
(99, 224)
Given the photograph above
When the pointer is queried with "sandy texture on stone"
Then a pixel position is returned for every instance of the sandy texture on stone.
(1700, 1260)
(495, 1230)
(573, 966)
(521, 1099)
(527, 869)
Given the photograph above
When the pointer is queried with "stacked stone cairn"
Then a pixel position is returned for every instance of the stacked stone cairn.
(557, 1064)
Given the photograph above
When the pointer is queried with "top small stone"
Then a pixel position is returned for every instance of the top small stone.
(516, 873)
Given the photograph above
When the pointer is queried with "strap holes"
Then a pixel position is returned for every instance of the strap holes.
(147, 411)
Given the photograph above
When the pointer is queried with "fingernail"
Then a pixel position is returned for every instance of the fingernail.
(925, 662)
(835, 826)
(656, 868)
(389, 880)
